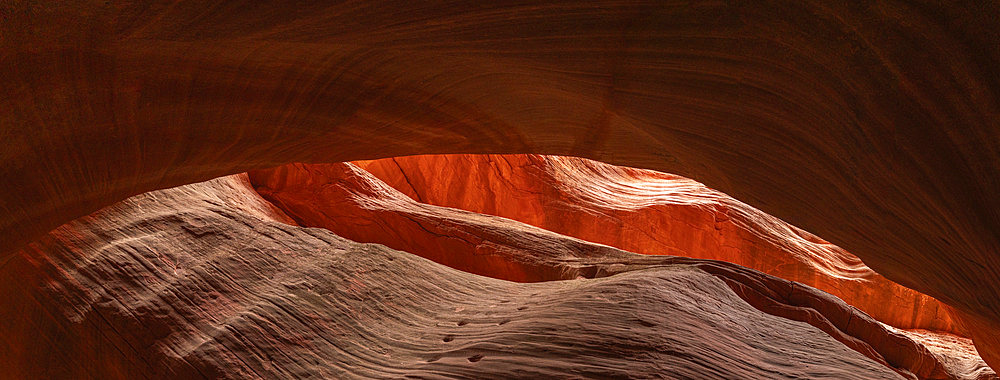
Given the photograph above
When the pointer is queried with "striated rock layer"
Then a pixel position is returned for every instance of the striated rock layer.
(649, 212)
(354, 204)
(207, 280)
(873, 124)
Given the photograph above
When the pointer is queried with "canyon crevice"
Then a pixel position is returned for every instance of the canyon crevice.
(875, 126)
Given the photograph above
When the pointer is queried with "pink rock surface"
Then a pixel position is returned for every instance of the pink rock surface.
(354, 204)
(206, 280)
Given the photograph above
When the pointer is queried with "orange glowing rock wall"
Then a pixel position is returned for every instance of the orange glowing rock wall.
(352, 203)
(650, 212)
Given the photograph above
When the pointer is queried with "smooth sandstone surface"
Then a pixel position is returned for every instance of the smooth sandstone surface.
(649, 212)
(871, 124)
(354, 204)
(208, 280)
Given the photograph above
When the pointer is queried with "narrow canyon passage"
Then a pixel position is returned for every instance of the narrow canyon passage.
(873, 125)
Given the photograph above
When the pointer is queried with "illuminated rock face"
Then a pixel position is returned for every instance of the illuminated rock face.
(354, 204)
(871, 124)
(209, 280)
(649, 212)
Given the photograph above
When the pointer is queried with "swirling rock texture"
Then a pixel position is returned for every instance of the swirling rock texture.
(649, 212)
(209, 280)
(871, 124)
(354, 204)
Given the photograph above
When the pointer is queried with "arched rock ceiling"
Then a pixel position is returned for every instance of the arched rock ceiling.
(874, 125)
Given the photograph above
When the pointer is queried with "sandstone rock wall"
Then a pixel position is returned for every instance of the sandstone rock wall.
(205, 280)
(649, 212)
(872, 124)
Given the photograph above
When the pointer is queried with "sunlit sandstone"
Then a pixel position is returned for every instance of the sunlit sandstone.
(352, 203)
(649, 212)
(871, 124)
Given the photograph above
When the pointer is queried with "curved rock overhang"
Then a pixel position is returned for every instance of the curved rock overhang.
(874, 125)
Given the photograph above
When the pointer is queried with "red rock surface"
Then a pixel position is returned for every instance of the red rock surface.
(354, 204)
(956, 353)
(208, 280)
(649, 212)
(872, 124)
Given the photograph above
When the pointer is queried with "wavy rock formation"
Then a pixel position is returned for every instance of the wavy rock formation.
(649, 212)
(354, 204)
(875, 125)
(208, 280)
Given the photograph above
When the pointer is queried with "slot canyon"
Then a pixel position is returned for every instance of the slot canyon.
(689, 189)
